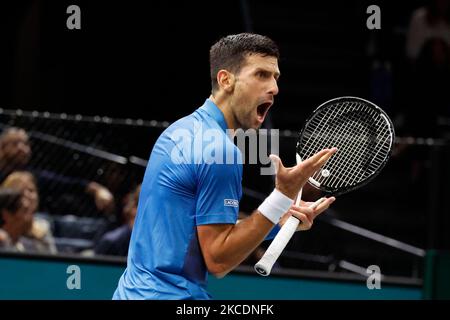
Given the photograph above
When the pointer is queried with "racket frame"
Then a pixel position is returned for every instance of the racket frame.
(332, 191)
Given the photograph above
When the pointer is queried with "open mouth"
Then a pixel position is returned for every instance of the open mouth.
(262, 110)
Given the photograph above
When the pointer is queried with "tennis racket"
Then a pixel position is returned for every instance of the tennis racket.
(364, 136)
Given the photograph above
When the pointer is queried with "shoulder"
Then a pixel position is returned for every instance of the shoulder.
(179, 133)
(185, 124)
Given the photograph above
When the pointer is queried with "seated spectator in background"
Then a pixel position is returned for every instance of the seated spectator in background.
(16, 153)
(116, 242)
(428, 50)
(40, 232)
(16, 218)
(427, 23)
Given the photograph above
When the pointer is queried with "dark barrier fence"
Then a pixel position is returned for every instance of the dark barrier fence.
(388, 223)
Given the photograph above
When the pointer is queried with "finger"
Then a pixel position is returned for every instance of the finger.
(315, 157)
(325, 158)
(304, 210)
(306, 223)
(323, 206)
(314, 167)
(310, 165)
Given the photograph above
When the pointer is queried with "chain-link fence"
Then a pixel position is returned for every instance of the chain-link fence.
(68, 153)
(84, 167)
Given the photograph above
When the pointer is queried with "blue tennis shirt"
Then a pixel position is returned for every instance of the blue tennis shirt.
(193, 178)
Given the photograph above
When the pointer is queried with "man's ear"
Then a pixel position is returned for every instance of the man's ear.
(226, 80)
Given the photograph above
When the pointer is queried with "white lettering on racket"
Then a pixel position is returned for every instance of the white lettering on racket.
(374, 280)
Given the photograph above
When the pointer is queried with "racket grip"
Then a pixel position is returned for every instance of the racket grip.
(264, 266)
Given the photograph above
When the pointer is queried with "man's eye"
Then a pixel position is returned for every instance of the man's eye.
(262, 74)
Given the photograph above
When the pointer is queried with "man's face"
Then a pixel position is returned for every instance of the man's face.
(254, 90)
(15, 148)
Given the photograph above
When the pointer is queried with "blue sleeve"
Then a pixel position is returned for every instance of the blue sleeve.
(219, 190)
(273, 233)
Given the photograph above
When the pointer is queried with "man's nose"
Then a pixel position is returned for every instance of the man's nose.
(273, 90)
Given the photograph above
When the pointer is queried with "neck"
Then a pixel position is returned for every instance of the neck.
(223, 103)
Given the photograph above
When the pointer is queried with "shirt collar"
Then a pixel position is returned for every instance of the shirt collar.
(214, 112)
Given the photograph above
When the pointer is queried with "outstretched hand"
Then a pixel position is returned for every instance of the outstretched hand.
(289, 181)
(305, 214)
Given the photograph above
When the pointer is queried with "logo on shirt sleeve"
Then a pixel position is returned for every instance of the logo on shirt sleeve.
(231, 203)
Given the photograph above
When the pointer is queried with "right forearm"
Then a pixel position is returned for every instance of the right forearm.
(225, 246)
(228, 249)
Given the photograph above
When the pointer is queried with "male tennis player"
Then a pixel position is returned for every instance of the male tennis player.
(188, 207)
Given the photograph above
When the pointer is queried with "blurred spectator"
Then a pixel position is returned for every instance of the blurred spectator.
(16, 217)
(15, 151)
(40, 232)
(429, 22)
(116, 242)
(428, 49)
(15, 154)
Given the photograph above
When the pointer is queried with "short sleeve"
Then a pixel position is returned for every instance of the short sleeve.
(219, 191)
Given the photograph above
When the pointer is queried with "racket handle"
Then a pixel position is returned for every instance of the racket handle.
(264, 266)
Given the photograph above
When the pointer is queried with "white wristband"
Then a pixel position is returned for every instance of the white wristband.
(275, 205)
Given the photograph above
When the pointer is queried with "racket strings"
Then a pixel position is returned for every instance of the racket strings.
(339, 167)
(355, 148)
(326, 137)
(384, 141)
(356, 157)
(319, 138)
(312, 148)
(380, 155)
(358, 132)
(366, 168)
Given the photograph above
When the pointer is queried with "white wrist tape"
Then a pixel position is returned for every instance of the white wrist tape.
(275, 205)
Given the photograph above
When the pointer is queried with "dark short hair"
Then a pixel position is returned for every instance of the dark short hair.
(229, 52)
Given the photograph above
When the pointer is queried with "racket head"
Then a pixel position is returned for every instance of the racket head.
(363, 134)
